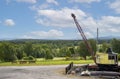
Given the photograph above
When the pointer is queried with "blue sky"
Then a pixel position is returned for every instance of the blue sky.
(51, 19)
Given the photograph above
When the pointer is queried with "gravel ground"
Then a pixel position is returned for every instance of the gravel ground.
(36, 72)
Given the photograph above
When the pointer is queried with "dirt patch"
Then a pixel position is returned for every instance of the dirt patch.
(37, 72)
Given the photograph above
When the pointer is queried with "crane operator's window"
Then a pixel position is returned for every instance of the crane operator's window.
(111, 57)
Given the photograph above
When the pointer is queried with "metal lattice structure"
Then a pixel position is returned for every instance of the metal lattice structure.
(84, 38)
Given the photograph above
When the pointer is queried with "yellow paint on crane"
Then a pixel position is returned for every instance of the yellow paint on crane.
(103, 58)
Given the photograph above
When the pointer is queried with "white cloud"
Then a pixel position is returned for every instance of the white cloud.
(109, 21)
(87, 34)
(109, 25)
(58, 18)
(44, 5)
(113, 30)
(85, 1)
(51, 34)
(27, 1)
(9, 22)
(62, 19)
(52, 1)
(89, 23)
(8, 1)
(115, 5)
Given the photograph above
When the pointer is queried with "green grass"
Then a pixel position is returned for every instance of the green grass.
(63, 62)
(55, 61)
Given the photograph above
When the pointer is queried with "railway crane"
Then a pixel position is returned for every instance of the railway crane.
(106, 63)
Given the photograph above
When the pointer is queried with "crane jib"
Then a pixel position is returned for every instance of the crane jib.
(84, 38)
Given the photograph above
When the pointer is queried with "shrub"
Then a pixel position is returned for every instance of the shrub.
(31, 58)
(67, 58)
(81, 58)
(118, 56)
(49, 55)
(25, 58)
(89, 57)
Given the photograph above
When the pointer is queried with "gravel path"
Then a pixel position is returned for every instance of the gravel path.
(36, 72)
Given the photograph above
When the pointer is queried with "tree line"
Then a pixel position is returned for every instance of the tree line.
(48, 49)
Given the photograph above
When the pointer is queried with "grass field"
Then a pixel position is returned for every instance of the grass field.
(55, 61)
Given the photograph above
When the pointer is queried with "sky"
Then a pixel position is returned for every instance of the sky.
(51, 19)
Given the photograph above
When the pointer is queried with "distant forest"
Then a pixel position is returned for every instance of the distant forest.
(11, 50)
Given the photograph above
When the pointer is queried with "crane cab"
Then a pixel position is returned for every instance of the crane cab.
(107, 61)
(102, 58)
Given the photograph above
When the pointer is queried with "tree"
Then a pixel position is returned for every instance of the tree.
(103, 47)
(83, 49)
(93, 45)
(73, 52)
(28, 49)
(20, 52)
(65, 52)
(115, 45)
(1, 53)
(8, 52)
(48, 54)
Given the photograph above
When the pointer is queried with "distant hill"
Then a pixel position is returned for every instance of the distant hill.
(22, 40)
(109, 37)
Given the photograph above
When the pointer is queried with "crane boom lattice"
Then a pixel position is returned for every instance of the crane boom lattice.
(84, 38)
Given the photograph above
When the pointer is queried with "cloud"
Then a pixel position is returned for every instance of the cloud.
(61, 18)
(27, 1)
(9, 22)
(115, 5)
(51, 34)
(109, 21)
(40, 7)
(84, 1)
(113, 30)
(87, 34)
(109, 25)
(8, 1)
(44, 5)
(52, 1)
(58, 18)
